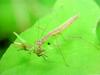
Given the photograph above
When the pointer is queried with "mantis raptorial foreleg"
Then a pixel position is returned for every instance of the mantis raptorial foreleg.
(22, 44)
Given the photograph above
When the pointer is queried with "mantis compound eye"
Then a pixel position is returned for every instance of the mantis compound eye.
(49, 43)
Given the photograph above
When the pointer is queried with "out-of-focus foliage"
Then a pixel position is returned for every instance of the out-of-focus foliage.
(98, 2)
(82, 56)
(18, 15)
(98, 30)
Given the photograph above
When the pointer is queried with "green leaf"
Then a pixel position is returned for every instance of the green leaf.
(82, 55)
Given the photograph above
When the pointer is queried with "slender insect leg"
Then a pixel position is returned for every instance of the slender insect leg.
(81, 38)
(44, 57)
(91, 43)
(57, 46)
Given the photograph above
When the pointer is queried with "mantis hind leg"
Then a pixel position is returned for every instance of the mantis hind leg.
(81, 38)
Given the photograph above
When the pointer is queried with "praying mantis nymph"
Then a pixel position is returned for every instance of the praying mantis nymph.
(37, 48)
(40, 51)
